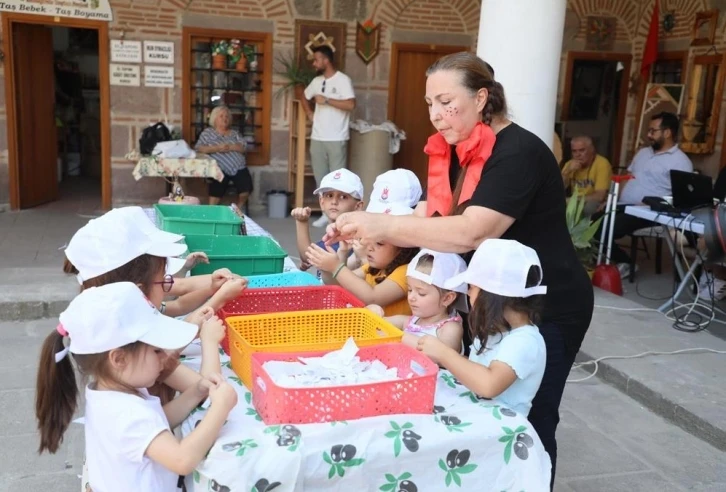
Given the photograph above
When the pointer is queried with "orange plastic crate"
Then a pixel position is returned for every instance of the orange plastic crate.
(303, 331)
(285, 299)
(280, 405)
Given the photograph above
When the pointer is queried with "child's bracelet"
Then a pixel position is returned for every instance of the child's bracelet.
(337, 270)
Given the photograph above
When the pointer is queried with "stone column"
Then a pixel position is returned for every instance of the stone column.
(522, 41)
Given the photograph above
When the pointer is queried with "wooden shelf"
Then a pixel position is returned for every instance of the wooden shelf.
(254, 87)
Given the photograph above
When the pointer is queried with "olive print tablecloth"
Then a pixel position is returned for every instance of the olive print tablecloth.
(467, 445)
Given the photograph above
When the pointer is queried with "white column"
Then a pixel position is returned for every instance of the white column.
(522, 41)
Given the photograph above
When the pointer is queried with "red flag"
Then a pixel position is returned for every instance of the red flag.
(650, 53)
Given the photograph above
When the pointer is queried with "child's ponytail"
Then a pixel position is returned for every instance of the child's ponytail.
(56, 394)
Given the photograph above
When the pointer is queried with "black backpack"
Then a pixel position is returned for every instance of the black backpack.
(151, 136)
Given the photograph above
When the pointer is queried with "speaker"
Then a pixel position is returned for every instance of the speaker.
(714, 225)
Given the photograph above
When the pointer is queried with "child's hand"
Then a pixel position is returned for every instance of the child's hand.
(359, 250)
(232, 288)
(301, 214)
(195, 259)
(343, 251)
(326, 261)
(199, 316)
(376, 309)
(223, 395)
(434, 348)
(219, 277)
(207, 383)
(213, 331)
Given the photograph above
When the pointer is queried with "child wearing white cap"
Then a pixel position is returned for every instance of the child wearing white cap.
(382, 279)
(340, 191)
(397, 186)
(117, 248)
(435, 309)
(508, 353)
(118, 338)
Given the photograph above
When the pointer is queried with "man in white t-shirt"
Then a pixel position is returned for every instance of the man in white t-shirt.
(334, 98)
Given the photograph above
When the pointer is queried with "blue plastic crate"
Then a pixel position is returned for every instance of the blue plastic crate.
(286, 279)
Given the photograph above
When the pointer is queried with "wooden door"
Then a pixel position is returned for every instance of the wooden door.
(406, 105)
(37, 148)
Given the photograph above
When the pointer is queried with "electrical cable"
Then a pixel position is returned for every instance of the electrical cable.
(596, 362)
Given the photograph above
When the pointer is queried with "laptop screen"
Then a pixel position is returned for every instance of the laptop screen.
(691, 190)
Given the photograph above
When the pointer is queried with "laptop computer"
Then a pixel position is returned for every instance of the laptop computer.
(691, 190)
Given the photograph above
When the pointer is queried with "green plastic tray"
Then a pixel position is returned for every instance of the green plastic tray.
(243, 255)
(197, 219)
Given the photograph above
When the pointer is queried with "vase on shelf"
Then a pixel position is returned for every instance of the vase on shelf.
(253, 65)
(219, 62)
(241, 65)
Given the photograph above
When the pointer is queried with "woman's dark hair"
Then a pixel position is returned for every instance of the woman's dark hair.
(68, 267)
(476, 74)
(486, 316)
(141, 271)
(56, 390)
(404, 257)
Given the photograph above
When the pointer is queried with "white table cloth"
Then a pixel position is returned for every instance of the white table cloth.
(468, 444)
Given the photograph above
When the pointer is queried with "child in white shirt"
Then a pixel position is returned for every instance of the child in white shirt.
(118, 340)
(508, 355)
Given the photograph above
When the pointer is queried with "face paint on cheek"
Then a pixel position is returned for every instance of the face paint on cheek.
(452, 111)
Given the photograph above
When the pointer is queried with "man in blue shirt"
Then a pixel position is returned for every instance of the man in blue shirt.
(651, 169)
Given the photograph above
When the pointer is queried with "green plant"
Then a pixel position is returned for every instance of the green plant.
(294, 74)
(582, 229)
(220, 47)
(250, 52)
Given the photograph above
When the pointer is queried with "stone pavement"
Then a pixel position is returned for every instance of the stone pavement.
(608, 442)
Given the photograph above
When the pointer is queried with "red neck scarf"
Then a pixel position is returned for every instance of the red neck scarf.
(473, 154)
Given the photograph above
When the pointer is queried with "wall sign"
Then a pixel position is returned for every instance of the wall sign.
(79, 9)
(158, 76)
(125, 51)
(126, 75)
(159, 52)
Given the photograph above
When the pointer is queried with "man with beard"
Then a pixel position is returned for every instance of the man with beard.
(332, 92)
(651, 169)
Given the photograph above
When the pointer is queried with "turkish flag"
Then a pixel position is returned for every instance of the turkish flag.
(650, 53)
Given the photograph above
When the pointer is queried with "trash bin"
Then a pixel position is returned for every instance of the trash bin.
(371, 150)
(277, 204)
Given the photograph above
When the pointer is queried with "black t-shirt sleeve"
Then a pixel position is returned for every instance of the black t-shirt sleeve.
(509, 182)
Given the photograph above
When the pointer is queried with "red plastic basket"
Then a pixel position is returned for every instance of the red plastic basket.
(278, 405)
(285, 299)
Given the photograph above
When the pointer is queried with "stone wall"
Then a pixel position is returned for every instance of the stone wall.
(445, 21)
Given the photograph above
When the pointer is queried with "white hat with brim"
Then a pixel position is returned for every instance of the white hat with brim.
(106, 243)
(501, 266)
(104, 318)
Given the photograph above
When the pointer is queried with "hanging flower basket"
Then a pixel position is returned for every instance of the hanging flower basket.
(219, 62)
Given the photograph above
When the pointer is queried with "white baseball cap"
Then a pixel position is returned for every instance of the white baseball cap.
(137, 214)
(342, 180)
(397, 185)
(376, 207)
(501, 266)
(113, 240)
(446, 266)
(103, 318)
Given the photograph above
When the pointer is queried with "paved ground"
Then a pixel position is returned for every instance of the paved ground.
(608, 442)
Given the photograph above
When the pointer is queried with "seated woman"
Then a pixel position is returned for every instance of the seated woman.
(227, 147)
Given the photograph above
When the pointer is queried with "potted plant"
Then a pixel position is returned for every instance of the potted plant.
(582, 231)
(234, 51)
(250, 52)
(219, 54)
(297, 77)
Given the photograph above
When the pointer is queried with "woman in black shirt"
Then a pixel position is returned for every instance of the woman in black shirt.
(489, 180)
